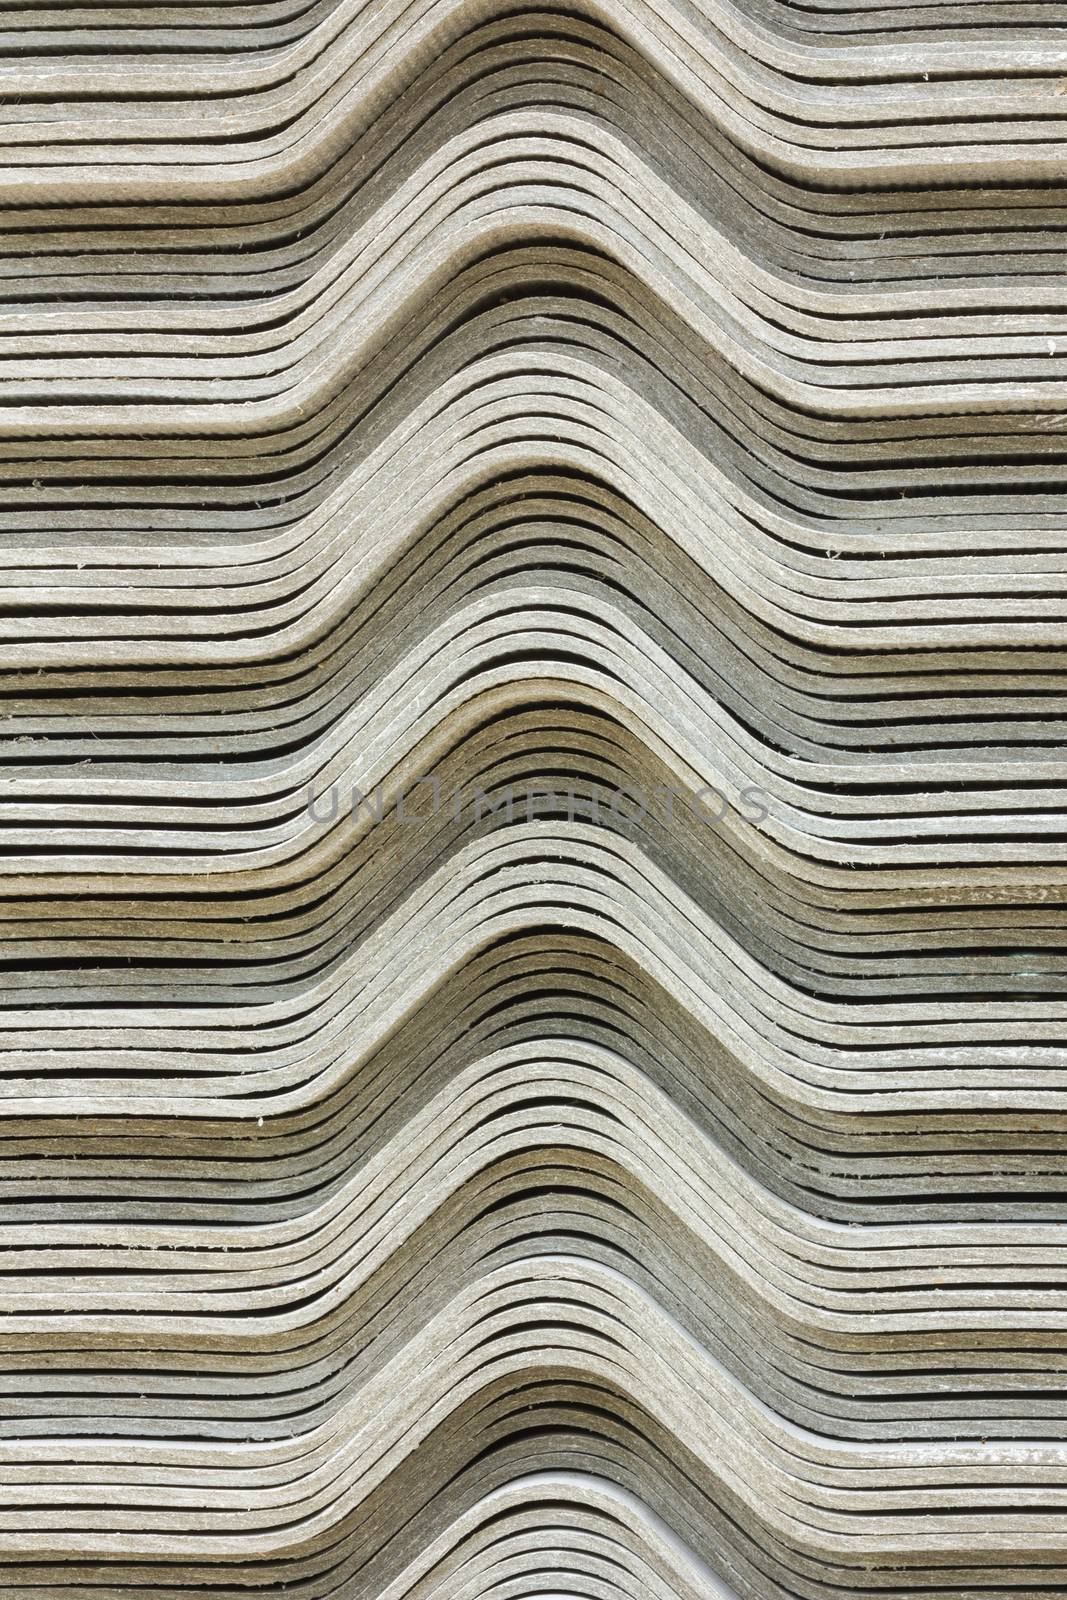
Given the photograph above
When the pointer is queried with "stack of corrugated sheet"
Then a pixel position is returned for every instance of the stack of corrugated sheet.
(533, 548)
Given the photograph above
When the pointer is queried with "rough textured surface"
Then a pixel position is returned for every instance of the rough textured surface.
(533, 551)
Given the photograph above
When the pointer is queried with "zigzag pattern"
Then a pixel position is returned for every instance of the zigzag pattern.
(533, 906)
